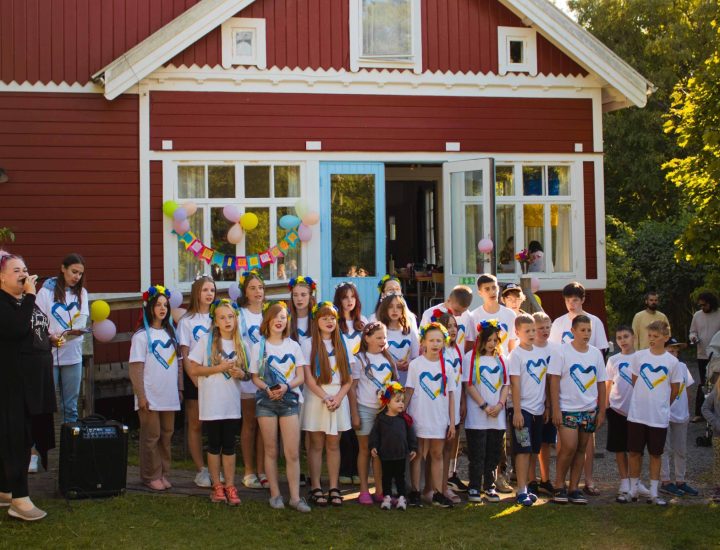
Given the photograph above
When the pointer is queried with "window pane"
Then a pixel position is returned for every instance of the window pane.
(505, 236)
(257, 182)
(219, 228)
(258, 240)
(534, 222)
(221, 182)
(287, 181)
(353, 225)
(504, 181)
(191, 182)
(516, 51)
(386, 27)
(532, 180)
(560, 220)
(189, 266)
(558, 180)
(473, 183)
(466, 228)
(287, 267)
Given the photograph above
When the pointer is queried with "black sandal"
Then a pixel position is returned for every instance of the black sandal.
(318, 498)
(336, 498)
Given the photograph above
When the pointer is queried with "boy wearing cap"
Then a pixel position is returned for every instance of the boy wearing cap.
(513, 297)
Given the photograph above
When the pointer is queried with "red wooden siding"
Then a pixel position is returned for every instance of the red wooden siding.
(217, 121)
(125, 320)
(72, 160)
(590, 231)
(156, 223)
(69, 40)
(554, 304)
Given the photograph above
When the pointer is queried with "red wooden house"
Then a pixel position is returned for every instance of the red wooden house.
(414, 127)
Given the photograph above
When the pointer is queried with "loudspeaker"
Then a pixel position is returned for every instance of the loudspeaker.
(93, 458)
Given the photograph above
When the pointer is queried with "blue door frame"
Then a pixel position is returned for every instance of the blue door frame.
(367, 286)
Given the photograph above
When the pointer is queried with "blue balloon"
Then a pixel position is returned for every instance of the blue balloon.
(289, 222)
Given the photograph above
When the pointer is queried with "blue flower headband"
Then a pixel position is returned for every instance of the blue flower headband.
(434, 326)
(223, 302)
(154, 291)
(486, 324)
(302, 280)
(384, 280)
(325, 305)
(253, 272)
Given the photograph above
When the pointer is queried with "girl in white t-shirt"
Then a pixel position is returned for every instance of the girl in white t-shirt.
(156, 378)
(402, 334)
(326, 412)
(219, 362)
(487, 387)
(388, 285)
(302, 300)
(277, 365)
(430, 396)
(250, 318)
(372, 368)
(192, 327)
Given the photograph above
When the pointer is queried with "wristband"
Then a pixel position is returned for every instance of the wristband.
(483, 406)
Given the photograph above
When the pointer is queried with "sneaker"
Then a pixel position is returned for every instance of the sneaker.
(658, 501)
(688, 490)
(502, 486)
(264, 483)
(440, 500)
(576, 497)
(356, 480)
(523, 499)
(492, 496)
(671, 489)
(33, 514)
(533, 487)
(474, 495)
(301, 506)
(386, 503)
(218, 494)
(345, 480)
(33, 466)
(251, 481)
(276, 503)
(622, 497)
(401, 503)
(545, 487)
(231, 493)
(202, 479)
(532, 496)
(561, 496)
(452, 497)
(365, 499)
(414, 499)
(642, 491)
(456, 484)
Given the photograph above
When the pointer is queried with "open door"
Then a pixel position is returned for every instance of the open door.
(468, 214)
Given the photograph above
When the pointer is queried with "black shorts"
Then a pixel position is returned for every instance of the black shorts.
(639, 436)
(617, 437)
(549, 433)
(534, 426)
(190, 390)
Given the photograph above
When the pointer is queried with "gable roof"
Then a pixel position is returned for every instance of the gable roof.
(626, 86)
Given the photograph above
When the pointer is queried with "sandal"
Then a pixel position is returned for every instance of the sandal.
(591, 490)
(335, 497)
(317, 497)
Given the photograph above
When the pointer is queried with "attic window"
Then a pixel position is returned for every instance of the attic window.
(243, 42)
(517, 50)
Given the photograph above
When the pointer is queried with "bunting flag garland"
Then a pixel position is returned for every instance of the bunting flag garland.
(239, 263)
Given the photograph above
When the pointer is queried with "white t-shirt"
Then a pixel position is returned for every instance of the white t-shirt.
(679, 411)
(303, 329)
(580, 374)
(62, 317)
(493, 377)
(219, 393)
(353, 337)
(618, 370)
(560, 332)
(465, 324)
(650, 402)
(283, 359)
(193, 327)
(430, 405)
(506, 319)
(453, 368)
(249, 324)
(532, 368)
(312, 361)
(160, 374)
(372, 371)
(403, 347)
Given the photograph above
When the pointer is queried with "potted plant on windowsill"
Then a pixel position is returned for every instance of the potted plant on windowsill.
(523, 258)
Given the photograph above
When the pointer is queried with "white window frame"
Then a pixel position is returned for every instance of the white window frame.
(525, 35)
(170, 192)
(228, 30)
(357, 60)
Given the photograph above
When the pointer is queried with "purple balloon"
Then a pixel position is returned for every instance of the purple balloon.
(180, 214)
(176, 299)
(304, 232)
(234, 291)
(104, 331)
(181, 227)
(231, 213)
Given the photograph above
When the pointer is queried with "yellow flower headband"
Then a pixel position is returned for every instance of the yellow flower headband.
(328, 305)
(434, 326)
(252, 272)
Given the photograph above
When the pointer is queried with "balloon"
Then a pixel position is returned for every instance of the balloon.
(485, 246)
(311, 218)
(169, 208)
(235, 234)
(180, 214)
(104, 331)
(234, 291)
(231, 213)
(249, 221)
(178, 314)
(305, 232)
(99, 310)
(534, 284)
(181, 227)
(190, 208)
(301, 208)
(289, 222)
(176, 299)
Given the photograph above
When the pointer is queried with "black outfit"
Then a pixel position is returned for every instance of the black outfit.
(394, 438)
(27, 391)
(700, 395)
(222, 435)
(349, 449)
(484, 448)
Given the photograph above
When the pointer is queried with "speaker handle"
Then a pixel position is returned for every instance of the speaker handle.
(93, 419)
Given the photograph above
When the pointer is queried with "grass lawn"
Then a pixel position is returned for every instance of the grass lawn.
(148, 521)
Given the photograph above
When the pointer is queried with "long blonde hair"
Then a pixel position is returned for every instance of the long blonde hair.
(241, 354)
(319, 356)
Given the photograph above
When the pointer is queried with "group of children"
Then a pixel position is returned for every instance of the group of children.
(323, 374)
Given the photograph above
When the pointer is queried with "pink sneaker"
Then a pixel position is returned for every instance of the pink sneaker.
(378, 496)
(365, 499)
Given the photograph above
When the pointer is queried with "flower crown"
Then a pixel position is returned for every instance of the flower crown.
(302, 280)
(437, 313)
(247, 274)
(384, 280)
(153, 291)
(486, 324)
(434, 326)
(223, 302)
(281, 303)
(345, 283)
(390, 390)
(328, 305)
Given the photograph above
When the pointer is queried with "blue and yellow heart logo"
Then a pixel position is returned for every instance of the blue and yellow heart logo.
(460, 338)
(231, 355)
(160, 355)
(283, 366)
(494, 381)
(254, 333)
(537, 369)
(399, 350)
(653, 376)
(456, 364)
(352, 340)
(72, 311)
(625, 373)
(567, 336)
(198, 331)
(584, 377)
(380, 374)
(433, 386)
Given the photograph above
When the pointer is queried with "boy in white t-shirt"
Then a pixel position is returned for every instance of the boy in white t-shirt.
(458, 302)
(656, 379)
(577, 389)
(491, 309)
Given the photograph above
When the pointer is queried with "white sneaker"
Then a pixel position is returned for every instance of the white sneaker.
(658, 501)
(401, 503)
(202, 478)
(386, 503)
(33, 466)
(642, 491)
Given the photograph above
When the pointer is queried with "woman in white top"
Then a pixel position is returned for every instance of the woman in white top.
(302, 300)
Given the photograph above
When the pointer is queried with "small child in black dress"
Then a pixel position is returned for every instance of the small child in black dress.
(393, 439)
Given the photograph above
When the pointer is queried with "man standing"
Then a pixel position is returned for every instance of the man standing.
(705, 323)
(643, 318)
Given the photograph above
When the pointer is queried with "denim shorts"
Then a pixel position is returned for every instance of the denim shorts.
(287, 406)
(582, 420)
(367, 419)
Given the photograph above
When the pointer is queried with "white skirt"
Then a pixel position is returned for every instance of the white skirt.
(315, 416)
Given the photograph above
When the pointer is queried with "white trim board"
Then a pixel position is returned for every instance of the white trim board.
(52, 87)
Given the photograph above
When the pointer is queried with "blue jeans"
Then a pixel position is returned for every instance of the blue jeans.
(67, 382)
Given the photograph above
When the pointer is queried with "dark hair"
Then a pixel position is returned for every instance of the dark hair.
(356, 314)
(624, 328)
(486, 278)
(574, 289)
(581, 319)
(484, 335)
(710, 299)
(651, 293)
(368, 330)
(294, 314)
(383, 315)
(444, 320)
(243, 301)
(149, 314)
(462, 295)
(59, 292)
(535, 246)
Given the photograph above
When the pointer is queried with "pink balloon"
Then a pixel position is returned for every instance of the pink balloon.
(104, 331)
(178, 314)
(535, 284)
(190, 208)
(231, 213)
(305, 232)
(181, 227)
(235, 234)
(485, 245)
(311, 218)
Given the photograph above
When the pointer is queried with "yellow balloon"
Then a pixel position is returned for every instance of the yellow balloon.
(99, 310)
(248, 221)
